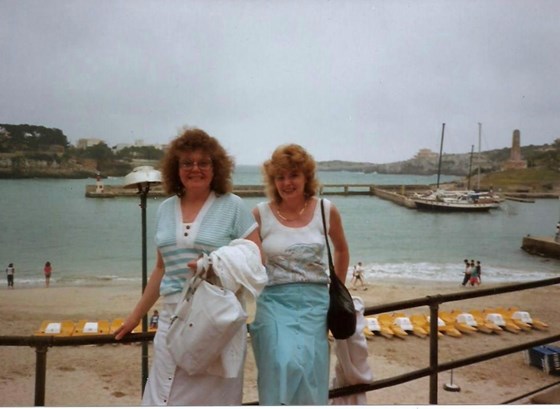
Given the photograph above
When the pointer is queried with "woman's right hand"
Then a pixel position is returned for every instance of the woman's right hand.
(127, 326)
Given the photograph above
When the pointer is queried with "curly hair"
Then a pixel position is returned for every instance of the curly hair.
(286, 158)
(190, 140)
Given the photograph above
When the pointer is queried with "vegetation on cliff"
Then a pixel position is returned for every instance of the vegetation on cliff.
(523, 180)
(36, 151)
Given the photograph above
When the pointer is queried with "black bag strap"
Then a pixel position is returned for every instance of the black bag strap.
(331, 264)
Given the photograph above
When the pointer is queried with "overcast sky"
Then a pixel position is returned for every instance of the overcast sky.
(356, 80)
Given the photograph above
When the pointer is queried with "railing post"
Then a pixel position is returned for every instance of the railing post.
(40, 374)
(434, 308)
(144, 358)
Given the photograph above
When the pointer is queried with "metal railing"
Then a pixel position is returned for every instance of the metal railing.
(433, 302)
(42, 343)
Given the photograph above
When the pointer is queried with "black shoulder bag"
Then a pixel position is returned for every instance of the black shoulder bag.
(341, 317)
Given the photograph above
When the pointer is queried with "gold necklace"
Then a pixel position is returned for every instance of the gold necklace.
(291, 220)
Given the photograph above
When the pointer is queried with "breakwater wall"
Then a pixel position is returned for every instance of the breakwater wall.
(398, 198)
(386, 192)
(541, 246)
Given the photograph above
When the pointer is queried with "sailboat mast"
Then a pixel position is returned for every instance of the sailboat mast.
(470, 169)
(440, 150)
(479, 133)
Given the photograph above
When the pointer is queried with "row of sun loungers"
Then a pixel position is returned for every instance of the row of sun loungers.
(453, 323)
(68, 328)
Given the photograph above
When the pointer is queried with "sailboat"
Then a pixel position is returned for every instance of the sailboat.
(452, 200)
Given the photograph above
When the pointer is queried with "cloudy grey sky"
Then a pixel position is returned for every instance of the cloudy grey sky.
(352, 80)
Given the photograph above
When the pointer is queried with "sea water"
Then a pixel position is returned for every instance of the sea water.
(90, 240)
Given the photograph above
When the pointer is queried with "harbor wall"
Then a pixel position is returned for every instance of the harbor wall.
(394, 197)
(541, 246)
(388, 192)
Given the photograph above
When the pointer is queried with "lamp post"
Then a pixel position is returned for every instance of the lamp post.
(142, 178)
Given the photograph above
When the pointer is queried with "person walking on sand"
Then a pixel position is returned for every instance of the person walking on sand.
(10, 272)
(476, 274)
(466, 272)
(47, 270)
(358, 275)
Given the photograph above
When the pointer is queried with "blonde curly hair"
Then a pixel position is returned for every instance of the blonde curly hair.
(287, 158)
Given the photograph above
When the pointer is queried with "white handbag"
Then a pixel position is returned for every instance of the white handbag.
(205, 320)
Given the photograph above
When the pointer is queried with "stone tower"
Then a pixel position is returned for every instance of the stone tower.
(515, 161)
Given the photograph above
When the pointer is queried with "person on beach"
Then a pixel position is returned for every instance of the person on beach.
(358, 275)
(289, 333)
(202, 215)
(471, 272)
(154, 320)
(476, 274)
(466, 272)
(47, 270)
(10, 273)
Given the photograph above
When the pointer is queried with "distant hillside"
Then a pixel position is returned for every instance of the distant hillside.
(37, 151)
(543, 156)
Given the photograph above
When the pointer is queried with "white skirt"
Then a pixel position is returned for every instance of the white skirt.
(169, 385)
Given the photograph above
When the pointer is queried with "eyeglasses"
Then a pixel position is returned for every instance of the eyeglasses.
(189, 164)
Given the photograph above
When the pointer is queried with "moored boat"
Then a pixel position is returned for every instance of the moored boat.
(454, 201)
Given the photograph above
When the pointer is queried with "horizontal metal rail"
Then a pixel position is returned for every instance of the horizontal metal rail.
(441, 299)
(60, 341)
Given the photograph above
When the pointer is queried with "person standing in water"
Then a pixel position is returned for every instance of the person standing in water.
(10, 272)
(48, 272)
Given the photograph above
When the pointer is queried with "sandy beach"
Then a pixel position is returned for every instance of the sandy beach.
(110, 375)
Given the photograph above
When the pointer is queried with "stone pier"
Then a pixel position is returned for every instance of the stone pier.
(541, 246)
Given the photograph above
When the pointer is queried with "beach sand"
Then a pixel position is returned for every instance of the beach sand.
(110, 375)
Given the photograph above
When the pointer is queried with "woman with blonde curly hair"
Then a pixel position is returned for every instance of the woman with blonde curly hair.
(201, 216)
(289, 333)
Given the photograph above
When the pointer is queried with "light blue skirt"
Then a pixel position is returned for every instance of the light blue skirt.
(289, 337)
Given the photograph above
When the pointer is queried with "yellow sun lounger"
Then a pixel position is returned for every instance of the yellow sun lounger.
(448, 328)
(368, 333)
(485, 325)
(522, 319)
(466, 323)
(408, 326)
(387, 321)
(57, 328)
(449, 320)
(400, 325)
(85, 327)
(115, 325)
(117, 322)
(449, 317)
(421, 321)
(375, 327)
(499, 320)
(405, 322)
(507, 314)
